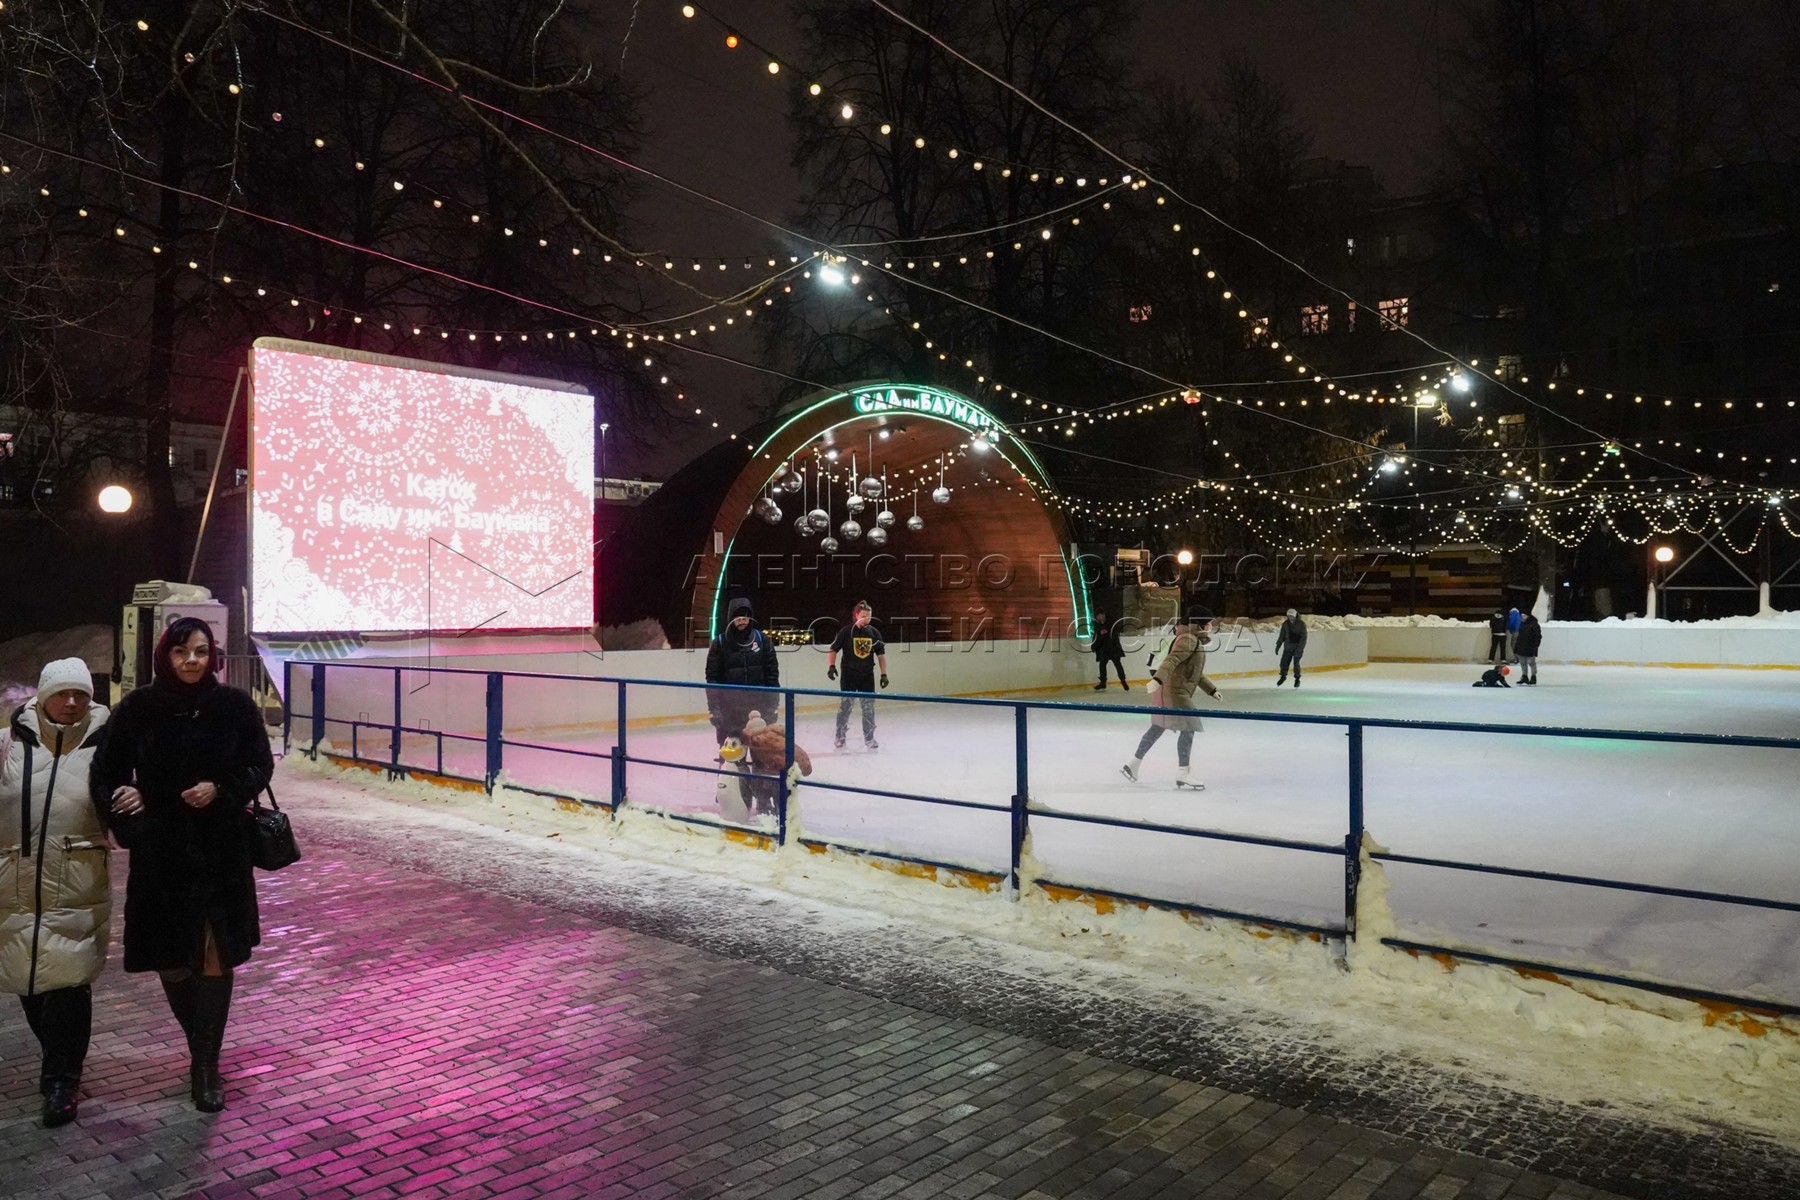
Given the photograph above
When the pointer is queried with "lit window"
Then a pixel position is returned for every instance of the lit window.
(1257, 334)
(1350, 317)
(1510, 366)
(1393, 313)
(1315, 318)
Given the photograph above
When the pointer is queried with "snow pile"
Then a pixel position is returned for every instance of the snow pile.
(23, 658)
(1666, 1060)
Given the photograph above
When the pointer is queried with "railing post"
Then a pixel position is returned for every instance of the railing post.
(1020, 800)
(618, 757)
(787, 766)
(496, 683)
(318, 708)
(287, 705)
(1354, 838)
(394, 742)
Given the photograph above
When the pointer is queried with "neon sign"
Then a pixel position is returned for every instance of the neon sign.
(923, 400)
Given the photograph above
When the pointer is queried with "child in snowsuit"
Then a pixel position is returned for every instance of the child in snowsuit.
(1493, 677)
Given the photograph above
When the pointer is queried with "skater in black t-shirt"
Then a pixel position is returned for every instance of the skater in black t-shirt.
(862, 648)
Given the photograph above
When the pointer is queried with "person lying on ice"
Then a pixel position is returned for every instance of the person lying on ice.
(1494, 677)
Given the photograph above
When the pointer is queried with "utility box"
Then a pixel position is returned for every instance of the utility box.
(154, 607)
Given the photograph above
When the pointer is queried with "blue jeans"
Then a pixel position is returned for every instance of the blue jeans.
(868, 714)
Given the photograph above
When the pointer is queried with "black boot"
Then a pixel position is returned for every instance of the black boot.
(180, 995)
(65, 1021)
(212, 1005)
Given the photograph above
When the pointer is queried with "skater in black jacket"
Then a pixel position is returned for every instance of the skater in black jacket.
(1497, 637)
(741, 654)
(1525, 645)
(1108, 650)
(862, 649)
(1290, 643)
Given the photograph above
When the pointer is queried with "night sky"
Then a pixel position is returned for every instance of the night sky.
(1360, 75)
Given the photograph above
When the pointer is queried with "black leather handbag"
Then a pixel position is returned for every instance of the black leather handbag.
(272, 844)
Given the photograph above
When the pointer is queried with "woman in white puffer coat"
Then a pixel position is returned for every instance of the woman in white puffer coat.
(55, 889)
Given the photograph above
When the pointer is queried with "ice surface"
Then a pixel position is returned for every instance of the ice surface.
(1723, 819)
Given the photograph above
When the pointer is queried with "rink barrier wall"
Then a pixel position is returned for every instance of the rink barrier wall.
(1605, 644)
(371, 680)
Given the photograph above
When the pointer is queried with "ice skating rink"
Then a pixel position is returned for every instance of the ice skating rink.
(1716, 818)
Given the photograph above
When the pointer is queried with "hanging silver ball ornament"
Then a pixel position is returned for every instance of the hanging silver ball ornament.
(792, 483)
(915, 522)
(803, 526)
(854, 503)
(940, 495)
(877, 536)
(884, 519)
(871, 487)
(829, 545)
(818, 518)
(849, 531)
(771, 513)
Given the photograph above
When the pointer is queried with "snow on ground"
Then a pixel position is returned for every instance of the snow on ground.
(1723, 819)
(1633, 1053)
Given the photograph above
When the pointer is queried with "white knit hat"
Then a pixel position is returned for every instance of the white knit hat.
(66, 674)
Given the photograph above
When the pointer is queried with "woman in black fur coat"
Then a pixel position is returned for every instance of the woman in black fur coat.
(182, 761)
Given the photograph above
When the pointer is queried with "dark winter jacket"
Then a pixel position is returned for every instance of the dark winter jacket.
(1106, 642)
(1292, 633)
(1531, 636)
(1497, 624)
(190, 867)
(741, 656)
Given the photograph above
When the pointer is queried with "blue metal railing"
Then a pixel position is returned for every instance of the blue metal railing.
(1020, 811)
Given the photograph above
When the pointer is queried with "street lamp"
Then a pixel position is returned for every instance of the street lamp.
(1661, 557)
(115, 501)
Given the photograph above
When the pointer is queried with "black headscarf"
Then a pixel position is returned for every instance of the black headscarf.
(177, 634)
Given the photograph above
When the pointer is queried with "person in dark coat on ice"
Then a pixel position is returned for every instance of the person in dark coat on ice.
(1108, 650)
(1290, 643)
(1497, 637)
(1526, 646)
(741, 654)
(1493, 677)
(174, 778)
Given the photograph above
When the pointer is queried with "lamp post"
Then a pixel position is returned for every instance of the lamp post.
(115, 501)
(600, 550)
(1661, 557)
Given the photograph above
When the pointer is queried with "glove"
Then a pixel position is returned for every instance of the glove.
(1151, 687)
(884, 682)
(831, 672)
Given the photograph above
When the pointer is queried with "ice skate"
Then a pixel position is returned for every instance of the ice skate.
(1184, 780)
(871, 744)
(1282, 682)
(838, 741)
(1130, 769)
(1296, 681)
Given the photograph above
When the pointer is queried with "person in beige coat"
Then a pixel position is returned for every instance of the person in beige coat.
(55, 889)
(1175, 684)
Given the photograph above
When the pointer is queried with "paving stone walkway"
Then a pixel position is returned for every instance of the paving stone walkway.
(411, 1030)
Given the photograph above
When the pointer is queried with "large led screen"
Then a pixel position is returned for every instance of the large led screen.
(387, 495)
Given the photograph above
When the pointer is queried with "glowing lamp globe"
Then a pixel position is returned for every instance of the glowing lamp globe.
(1185, 557)
(115, 499)
(1665, 554)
